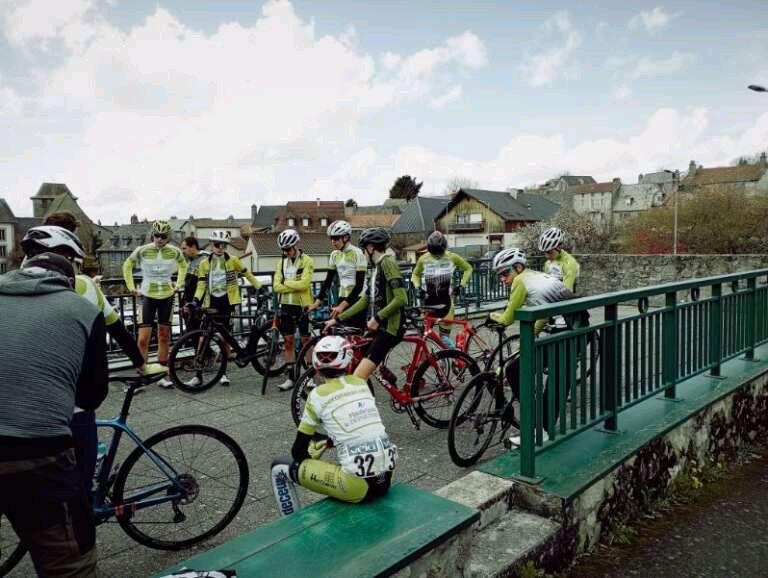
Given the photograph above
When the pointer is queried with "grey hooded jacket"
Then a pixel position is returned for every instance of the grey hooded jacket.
(52, 356)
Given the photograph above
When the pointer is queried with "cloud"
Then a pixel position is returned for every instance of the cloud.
(622, 91)
(191, 120)
(544, 67)
(629, 69)
(653, 20)
(453, 94)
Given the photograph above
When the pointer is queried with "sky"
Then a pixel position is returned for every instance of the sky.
(191, 107)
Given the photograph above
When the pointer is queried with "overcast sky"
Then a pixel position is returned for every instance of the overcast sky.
(205, 107)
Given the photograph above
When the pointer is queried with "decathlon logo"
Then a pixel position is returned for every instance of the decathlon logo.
(284, 493)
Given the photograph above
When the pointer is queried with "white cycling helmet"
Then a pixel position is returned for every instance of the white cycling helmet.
(332, 352)
(220, 236)
(339, 228)
(287, 239)
(506, 259)
(51, 238)
(550, 239)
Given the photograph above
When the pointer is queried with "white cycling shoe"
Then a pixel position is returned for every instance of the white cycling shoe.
(287, 385)
(514, 441)
(224, 380)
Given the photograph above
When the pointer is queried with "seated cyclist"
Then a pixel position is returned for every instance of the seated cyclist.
(433, 276)
(559, 263)
(344, 406)
(384, 301)
(292, 282)
(217, 283)
(348, 265)
(527, 288)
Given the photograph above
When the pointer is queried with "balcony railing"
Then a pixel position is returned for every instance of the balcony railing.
(463, 227)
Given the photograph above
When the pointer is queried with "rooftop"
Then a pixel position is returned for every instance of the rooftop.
(512, 206)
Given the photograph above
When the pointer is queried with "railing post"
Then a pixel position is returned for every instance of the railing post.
(752, 319)
(670, 352)
(716, 329)
(609, 367)
(527, 380)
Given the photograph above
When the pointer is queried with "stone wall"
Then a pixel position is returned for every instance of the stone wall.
(608, 273)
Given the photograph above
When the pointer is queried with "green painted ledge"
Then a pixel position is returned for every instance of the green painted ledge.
(330, 538)
(576, 463)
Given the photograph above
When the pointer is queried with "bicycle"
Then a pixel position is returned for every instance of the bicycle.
(431, 379)
(199, 359)
(174, 476)
(489, 401)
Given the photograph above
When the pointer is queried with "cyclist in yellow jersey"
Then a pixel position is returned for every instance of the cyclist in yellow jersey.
(348, 266)
(217, 283)
(559, 263)
(158, 261)
(345, 408)
(292, 282)
(433, 277)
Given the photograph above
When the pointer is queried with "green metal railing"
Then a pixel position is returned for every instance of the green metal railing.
(586, 376)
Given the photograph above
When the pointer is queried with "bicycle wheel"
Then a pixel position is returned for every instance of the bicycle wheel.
(438, 381)
(11, 550)
(474, 421)
(304, 357)
(269, 352)
(211, 468)
(196, 362)
(300, 393)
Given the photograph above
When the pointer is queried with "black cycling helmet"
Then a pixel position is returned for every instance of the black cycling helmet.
(379, 237)
(52, 262)
(437, 243)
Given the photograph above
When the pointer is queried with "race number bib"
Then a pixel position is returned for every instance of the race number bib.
(369, 458)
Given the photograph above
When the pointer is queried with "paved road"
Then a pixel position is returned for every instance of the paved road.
(725, 533)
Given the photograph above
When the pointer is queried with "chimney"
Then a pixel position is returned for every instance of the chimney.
(691, 168)
(513, 193)
(763, 161)
(318, 202)
(134, 219)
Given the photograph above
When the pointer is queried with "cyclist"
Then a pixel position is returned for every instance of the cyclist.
(559, 263)
(54, 356)
(190, 247)
(292, 282)
(347, 264)
(384, 301)
(433, 276)
(217, 283)
(158, 261)
(346, 409)
(527, 288)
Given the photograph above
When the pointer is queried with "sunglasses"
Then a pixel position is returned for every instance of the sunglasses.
(160, 236)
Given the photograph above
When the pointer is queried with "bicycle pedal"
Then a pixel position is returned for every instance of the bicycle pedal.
(397, 407)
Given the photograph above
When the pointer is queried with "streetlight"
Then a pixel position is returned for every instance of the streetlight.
(757, 88)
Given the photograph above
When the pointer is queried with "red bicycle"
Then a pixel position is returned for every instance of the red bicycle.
(467, 339)
(432, 379)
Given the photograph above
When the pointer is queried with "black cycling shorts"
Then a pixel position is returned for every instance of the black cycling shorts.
(382, 344)
(150, 307)
(221, 304)
(291, 317)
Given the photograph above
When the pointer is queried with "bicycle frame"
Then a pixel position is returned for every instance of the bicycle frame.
(462, 338)
(102, 508)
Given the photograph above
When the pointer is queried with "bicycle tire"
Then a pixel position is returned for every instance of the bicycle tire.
(264, 358)
(128, 521)
(178, 365)
(473, 423)
(458, 362)
(302, 364)
(17, 554)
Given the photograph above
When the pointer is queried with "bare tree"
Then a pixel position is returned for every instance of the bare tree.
(455, 184)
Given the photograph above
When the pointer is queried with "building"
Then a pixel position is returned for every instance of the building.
(595, 200)
(262, 254)
(651, 190)
(477, 219)
(123, 239)
(264, 218)
(366, 220)
(557, 189)
(8, 237)
(417, 220)
(746, 177)
(202, 228)
(304, 216)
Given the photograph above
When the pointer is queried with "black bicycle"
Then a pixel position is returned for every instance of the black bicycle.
(176, 488)
(488, 408)
(199, 358)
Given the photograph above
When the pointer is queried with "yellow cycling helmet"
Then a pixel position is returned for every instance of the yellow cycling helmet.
(161, 228)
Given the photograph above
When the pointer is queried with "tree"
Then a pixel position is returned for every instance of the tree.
(405, 187)
(581, 234)
(717, 220)
(352, 203)
(455, 184)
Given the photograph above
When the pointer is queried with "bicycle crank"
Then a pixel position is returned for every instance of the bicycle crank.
(397, 407)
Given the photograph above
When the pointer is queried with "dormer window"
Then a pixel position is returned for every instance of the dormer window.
(305, 222)
(323, 222)
(291, 222)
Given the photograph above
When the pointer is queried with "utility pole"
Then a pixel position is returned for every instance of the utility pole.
(674, 223)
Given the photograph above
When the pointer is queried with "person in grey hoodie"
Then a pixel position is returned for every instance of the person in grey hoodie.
(53, 345)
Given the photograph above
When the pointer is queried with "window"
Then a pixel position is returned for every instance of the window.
(2, 250)
(291, 222)
(466, 218)
(323, 222)
(3, 268)
(2, 234)
(305, 222)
